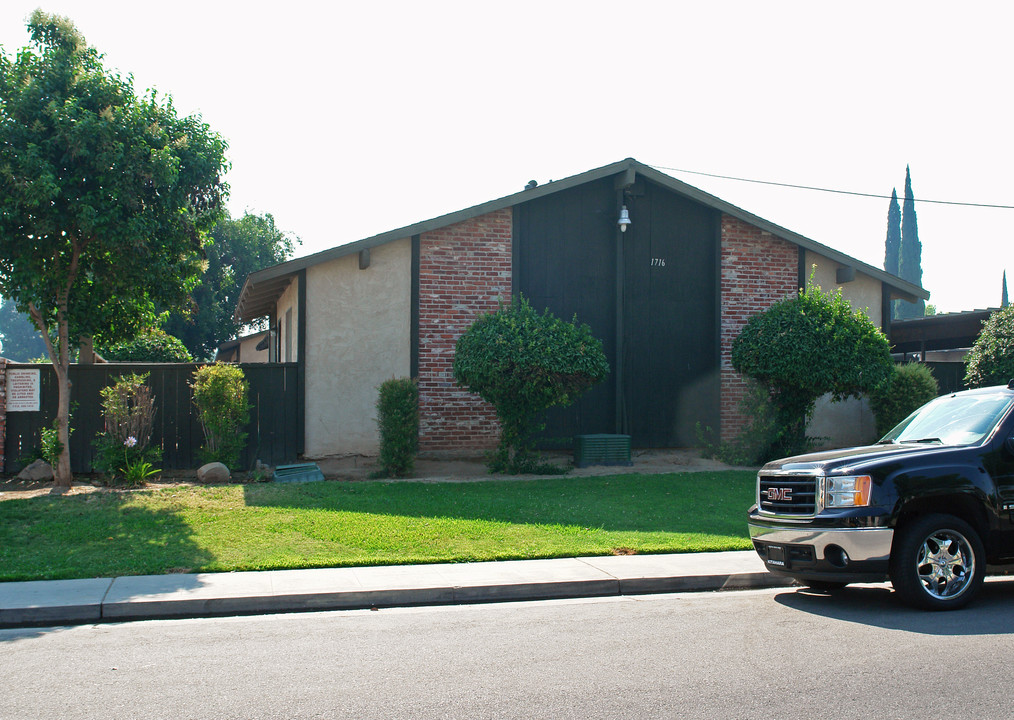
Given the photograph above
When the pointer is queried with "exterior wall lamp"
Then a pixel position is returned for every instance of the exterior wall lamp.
(624, 219)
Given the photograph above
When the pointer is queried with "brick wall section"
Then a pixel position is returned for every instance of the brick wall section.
(758, 270)
(464, 271)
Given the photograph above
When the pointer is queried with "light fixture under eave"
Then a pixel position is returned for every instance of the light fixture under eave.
(624, 219)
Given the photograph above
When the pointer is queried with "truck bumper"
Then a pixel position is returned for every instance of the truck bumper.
(828, 554)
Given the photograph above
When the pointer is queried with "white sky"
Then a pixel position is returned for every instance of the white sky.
(348, 119)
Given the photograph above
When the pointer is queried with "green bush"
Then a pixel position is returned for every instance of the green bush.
(753, 444)
(910, 387)
(991, 359)
(523, 362)
(807, 346)
(149, 346)
(128, 410)
(220, 396)
(50, 446)
(398, 422)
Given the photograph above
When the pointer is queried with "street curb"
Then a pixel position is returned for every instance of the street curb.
(52, 602)
(75, 602)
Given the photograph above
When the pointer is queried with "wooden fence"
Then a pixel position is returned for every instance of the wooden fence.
(274, 434)
(950, 376)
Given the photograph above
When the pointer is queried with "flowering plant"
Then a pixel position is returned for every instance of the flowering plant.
(135, 472)
(123, 451)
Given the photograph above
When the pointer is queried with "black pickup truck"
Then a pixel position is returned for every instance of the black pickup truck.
(929, 506)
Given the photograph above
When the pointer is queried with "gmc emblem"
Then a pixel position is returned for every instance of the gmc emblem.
(779, 494)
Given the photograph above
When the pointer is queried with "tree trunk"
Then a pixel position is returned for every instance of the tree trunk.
(60, 357)
(61, 473)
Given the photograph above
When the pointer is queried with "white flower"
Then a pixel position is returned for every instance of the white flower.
(130, 441)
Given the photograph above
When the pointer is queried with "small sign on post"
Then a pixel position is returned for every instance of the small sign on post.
(23, 390)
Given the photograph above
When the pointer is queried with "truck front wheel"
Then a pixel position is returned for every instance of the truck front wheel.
(937, 563)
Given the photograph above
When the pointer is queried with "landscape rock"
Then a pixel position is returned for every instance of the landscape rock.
(38, 471)
(214, 472)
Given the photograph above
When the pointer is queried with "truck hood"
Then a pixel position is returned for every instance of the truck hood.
(852, 457)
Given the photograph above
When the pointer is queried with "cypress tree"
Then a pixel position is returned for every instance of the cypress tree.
(892, 246)
(911, 252)
(1003, 296)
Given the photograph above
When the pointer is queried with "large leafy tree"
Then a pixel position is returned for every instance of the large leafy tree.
(911, 252)
(105, 198)
(805, 347)
(238, 248)
(21, 341)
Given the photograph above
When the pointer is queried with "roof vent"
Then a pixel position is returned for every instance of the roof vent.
(532, 184)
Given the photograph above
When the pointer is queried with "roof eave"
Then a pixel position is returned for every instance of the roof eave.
(900, 289)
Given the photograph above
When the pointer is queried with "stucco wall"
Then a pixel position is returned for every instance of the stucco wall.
(850, 422)
(248, 351)
(842, 424)
(863, 293)
(358, 335)
(288, 307)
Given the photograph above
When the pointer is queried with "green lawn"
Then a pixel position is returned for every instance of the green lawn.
(329, 524)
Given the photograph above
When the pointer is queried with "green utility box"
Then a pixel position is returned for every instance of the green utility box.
(304, 472)
(601, 450)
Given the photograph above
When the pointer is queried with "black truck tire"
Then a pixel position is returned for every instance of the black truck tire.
(938, 562)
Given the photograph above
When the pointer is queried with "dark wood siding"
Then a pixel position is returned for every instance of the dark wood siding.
(565, 260)
(671, 309)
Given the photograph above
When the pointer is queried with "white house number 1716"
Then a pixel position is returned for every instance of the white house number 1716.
(658, 262)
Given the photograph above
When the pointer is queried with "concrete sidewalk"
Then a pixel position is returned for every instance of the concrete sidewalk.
(69, 602)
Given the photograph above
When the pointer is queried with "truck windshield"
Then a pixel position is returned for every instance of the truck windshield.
(958, 419)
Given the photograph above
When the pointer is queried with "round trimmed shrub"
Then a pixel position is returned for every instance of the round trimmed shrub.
(804, 347)
(910, 387)
(524, 362)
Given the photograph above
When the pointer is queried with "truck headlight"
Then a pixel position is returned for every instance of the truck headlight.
(852, 491)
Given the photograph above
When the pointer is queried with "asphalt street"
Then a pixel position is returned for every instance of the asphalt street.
(773, 653)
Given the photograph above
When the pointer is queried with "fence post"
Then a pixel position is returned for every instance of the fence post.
(3, 412)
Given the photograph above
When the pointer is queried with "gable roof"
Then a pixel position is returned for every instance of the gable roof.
(263, 288)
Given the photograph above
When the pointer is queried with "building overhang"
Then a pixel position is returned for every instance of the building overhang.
(952, 331)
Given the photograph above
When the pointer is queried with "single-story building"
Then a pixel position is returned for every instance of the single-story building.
(666, 292)
(252, 348)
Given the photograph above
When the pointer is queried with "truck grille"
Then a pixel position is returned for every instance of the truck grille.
(787, 495)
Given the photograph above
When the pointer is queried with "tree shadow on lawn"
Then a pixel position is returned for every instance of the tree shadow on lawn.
(102, 534)
(712, 503)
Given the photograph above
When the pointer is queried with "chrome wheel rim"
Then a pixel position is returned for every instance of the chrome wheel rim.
(945, 564)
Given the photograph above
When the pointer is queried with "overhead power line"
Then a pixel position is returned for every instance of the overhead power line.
(829, 190)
